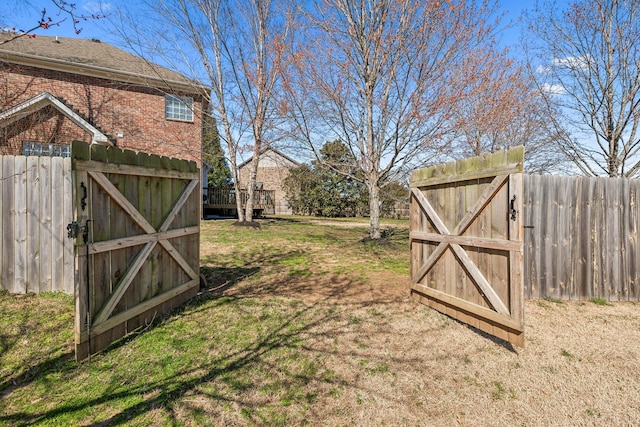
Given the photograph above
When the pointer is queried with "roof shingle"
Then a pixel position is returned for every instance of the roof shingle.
(91, 54)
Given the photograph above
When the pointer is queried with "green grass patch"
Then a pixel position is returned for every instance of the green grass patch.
(239, 355)
(553, 300)
(600, 301)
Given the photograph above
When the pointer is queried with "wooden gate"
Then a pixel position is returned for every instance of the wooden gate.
(136, 235)
(466, 241)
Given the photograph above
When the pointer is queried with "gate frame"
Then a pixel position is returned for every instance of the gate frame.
(503, 319)
(95, 330)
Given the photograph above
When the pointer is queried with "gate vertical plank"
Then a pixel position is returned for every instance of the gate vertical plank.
(117, 229)
(155, 218)
(166, 201)
(499, 222)
(20, 224)
(143, 202)
(100, 225)
(129, 190)
(482, 228)
(33, 214)
(450, 266)
(82, 292)
(516, 258)
(496, 263)
(472, 192)
(178, 186)
(194, 213)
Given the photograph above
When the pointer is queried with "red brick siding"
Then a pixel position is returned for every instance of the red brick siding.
(135, 112)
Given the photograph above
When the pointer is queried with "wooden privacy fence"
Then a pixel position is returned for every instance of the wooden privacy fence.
(581, 238)
(137, 240)
(35, 208)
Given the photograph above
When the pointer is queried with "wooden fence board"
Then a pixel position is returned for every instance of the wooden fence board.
(583, 243)
(45, 226)
(20, 224)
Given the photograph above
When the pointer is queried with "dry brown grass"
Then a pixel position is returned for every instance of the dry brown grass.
(305, 324)
(396, 362)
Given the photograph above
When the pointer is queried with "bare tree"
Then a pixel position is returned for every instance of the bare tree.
(62, 10)
(587, 61)
(237, 48)
(501, 107)
(375, 75)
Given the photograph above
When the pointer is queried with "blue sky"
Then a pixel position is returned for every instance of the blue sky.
(24, 14)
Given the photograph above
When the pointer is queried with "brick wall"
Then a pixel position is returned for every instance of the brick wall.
(134, 116)
(272, 171)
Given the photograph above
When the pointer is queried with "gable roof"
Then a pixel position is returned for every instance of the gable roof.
(46, 99)
(266, 150)
(91, 57)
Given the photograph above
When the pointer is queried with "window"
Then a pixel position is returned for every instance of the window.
(179, 108)
(45, 149)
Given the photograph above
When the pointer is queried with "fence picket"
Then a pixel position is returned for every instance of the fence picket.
(35, 205)
(583, 243)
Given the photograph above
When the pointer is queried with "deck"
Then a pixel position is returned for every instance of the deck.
(224, 199)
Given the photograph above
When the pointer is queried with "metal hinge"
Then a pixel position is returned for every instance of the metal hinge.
(74, 229)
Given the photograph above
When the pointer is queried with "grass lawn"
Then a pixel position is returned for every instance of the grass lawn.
(304, 322)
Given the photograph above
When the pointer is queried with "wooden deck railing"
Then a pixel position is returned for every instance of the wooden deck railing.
(225, 198)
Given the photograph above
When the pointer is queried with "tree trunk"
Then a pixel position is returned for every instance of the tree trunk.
(374, 210)
(251, 183)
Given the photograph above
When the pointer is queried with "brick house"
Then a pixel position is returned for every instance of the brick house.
(54, 90)
(273, 169)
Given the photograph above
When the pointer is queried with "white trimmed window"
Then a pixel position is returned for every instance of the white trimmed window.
(178, 108)
(44, 149)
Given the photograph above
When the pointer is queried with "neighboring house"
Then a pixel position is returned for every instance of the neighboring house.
(54, 90)
(273, 169)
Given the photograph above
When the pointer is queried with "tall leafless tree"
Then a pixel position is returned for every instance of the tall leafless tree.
(500, 107)
(237, 47)
(375, 74)
(586, 57)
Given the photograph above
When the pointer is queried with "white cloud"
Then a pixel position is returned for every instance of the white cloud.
(543, 69)
(552, 89)
(572, 62)
(97, 7)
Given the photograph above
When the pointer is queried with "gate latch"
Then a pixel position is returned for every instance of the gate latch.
(512, 208)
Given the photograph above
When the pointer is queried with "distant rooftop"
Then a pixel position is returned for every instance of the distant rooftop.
(88, 57)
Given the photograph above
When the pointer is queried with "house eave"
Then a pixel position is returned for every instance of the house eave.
(101, 72)
(40, 101)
